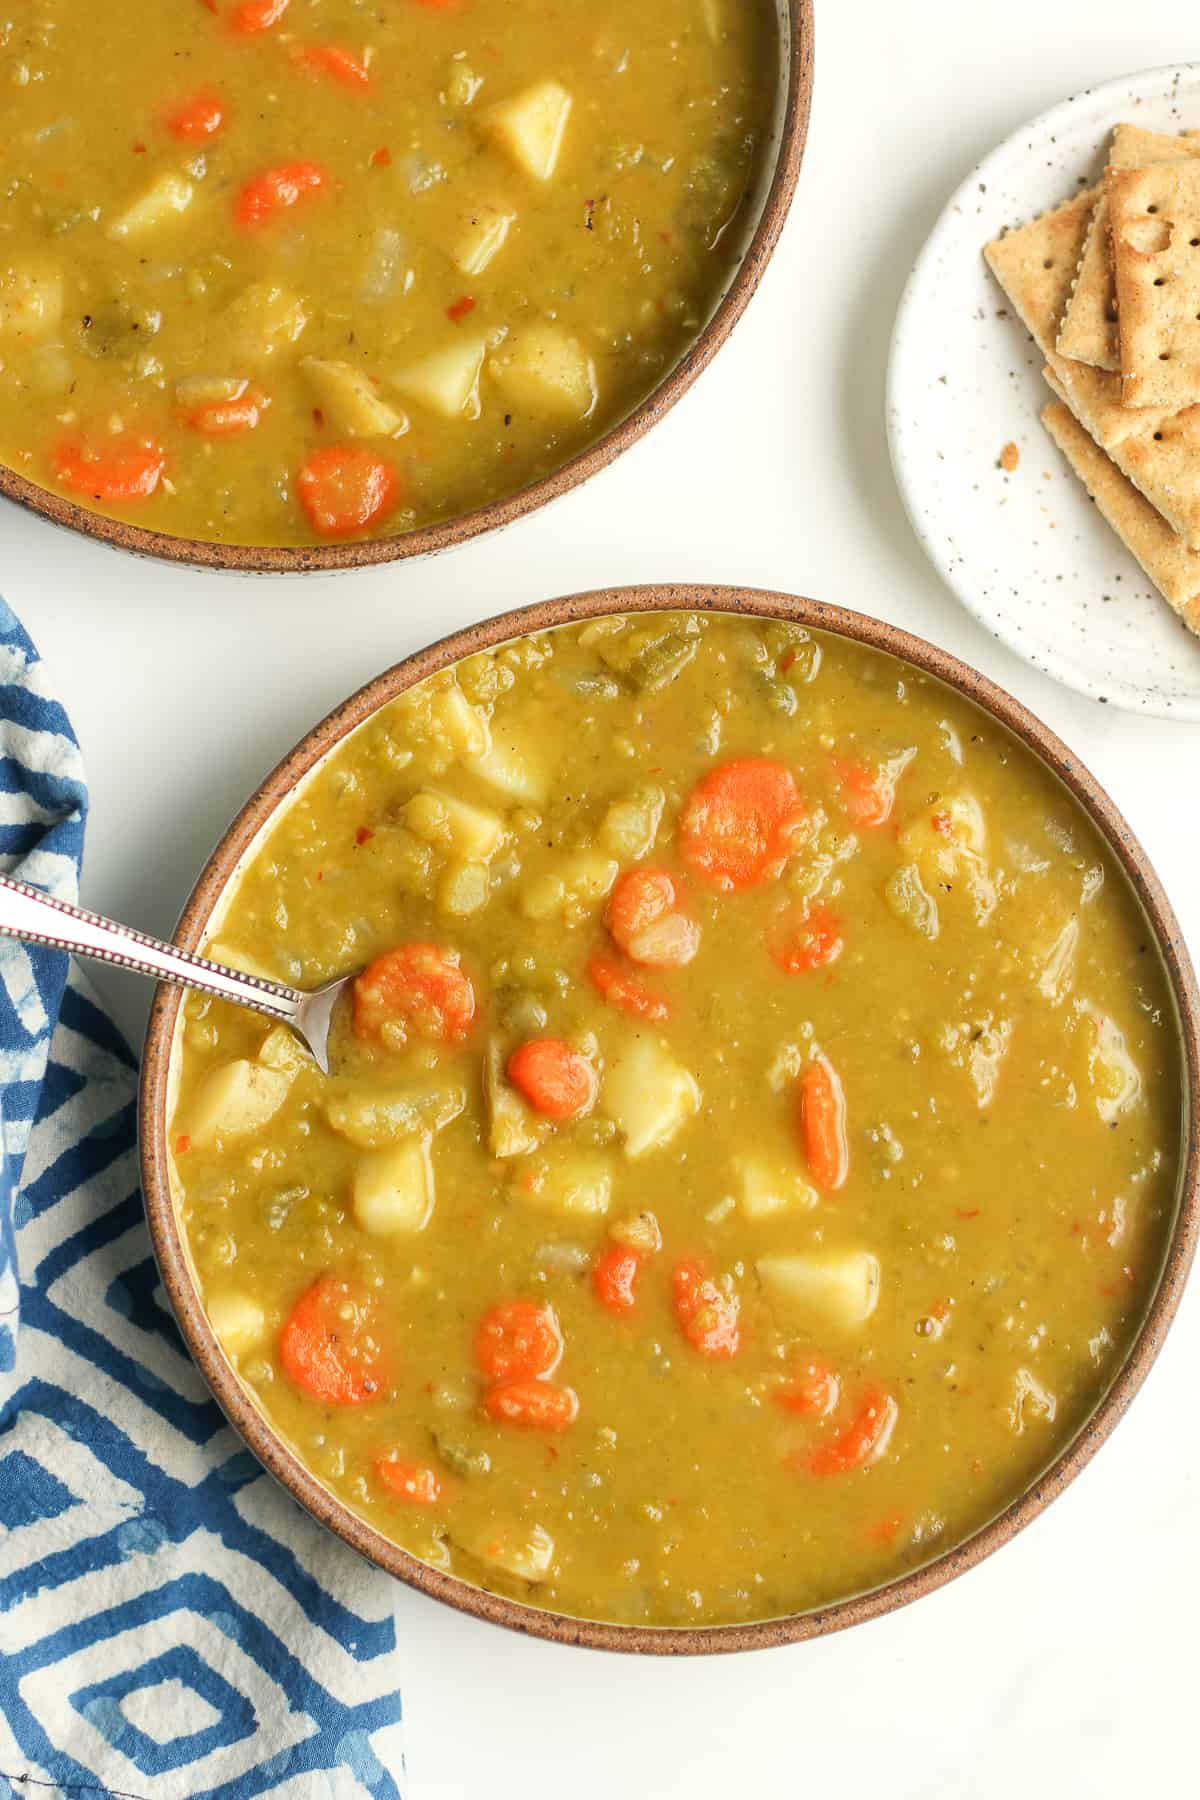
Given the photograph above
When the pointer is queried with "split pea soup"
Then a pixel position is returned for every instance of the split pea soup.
(280, 271)
(752, 1144)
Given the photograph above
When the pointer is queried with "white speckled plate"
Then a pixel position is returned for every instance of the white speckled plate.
(1027, 552)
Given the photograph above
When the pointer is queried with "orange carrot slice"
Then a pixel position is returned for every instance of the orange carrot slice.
(644, 917)
(345, 489)
(257, 15)
(338, 63)
(557, 1080)
(813, 943)
(740, 823)
(860, 1442)
(273, 191)
(228, 418)
(201, 116)
(126, 468)
(823, 1124)
(708, 1317)
(815, 1389)
(415, 1482)
(322, 1346)
(868, 798)
(419, 986)
(518, 1341)
(623, 990)
(614, 1278)
(538, 1405)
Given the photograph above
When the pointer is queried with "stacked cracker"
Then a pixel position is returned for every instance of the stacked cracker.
(1109, 287)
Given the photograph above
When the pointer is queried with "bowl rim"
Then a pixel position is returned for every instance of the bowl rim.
(272, 796)
(797, 35)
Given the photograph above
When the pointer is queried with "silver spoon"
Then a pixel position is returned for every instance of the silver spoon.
(27, 913)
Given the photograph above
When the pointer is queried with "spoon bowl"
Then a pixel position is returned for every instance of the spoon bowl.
(37, 918)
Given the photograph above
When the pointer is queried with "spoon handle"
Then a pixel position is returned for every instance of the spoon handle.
(27, 913)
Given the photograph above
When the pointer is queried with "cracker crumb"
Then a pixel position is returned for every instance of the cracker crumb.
(1010, 456)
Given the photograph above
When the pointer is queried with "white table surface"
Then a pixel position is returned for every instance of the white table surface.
(1062, 1666)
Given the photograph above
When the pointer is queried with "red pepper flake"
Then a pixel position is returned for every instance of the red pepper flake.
(139, 149)
(459, 308)
(786, 661)
(363, 835)
(941, 823)
(381, 158)
(182, 1145)
(320, 874)
(969, 1212)
(940, 1312)
(318, 416)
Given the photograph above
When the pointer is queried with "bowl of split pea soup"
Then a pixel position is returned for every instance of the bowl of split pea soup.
(308, 284)
(757, 1165)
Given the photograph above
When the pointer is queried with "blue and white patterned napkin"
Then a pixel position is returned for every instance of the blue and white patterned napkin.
(172, 1626)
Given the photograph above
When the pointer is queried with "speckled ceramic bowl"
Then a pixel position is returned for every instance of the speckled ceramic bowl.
(765, 218)
(159, 1073)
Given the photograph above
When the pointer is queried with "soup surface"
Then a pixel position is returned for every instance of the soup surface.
(752, 1145)
(277, 271)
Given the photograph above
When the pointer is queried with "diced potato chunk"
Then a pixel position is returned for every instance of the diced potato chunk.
(637, 1231)
(909, 899)
(462, 724)
(447, 381)
(525, 1551)
(234, 1100)
(509, 768)
(31, 301)
(474, 833)
(265, 319)
(649, 1095)
(348, 398)
(373, 1117)
(239, 1322)
(167, 196)
(578, 1186)
(630, 826)
(209, 390)
(394, 1189)
(530, 127)
(462, 84)
(514, 1129)
(948, 844)
(838, 1287)
(463, 889)
(581, 877)
(1055, 963)
(767, 1188)
(282, 1049)
(547, 371)
(1031, 1400)
(1116, 1081)
(481, 238)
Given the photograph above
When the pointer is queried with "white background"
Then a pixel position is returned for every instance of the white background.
(1065, 1665)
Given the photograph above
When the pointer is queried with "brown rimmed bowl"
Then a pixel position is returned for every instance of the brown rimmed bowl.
(214, 888)
(765, 220)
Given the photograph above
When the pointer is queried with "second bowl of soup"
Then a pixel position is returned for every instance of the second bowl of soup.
(757, 1166)
(290, 286)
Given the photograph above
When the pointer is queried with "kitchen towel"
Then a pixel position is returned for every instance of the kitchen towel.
(172, 1626)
